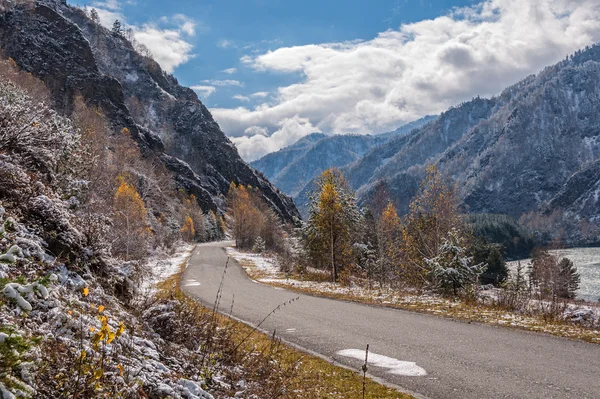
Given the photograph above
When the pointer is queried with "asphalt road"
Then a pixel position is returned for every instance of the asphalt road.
(462, 360)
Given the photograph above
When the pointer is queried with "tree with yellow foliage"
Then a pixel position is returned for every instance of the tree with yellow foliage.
(130, 222)
(433, 214)
(188, 232)
(332, 223)
(389, 234)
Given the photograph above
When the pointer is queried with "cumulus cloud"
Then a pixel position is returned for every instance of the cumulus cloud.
(421, 68)
(168, 39)
(256, 140)
(229, 71)
(203, 91)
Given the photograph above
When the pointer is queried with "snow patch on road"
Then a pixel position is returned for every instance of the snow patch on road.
(393, 366)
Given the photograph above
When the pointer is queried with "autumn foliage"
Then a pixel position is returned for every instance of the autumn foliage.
(332, 223)
(250, 218)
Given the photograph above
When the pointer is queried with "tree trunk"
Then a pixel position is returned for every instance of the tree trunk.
(333, 268)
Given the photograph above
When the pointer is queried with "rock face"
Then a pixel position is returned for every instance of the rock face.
(74, 56)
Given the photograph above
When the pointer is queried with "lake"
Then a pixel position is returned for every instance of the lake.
(587, 261)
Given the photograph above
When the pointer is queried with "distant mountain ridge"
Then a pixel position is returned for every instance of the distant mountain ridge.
(292, 168)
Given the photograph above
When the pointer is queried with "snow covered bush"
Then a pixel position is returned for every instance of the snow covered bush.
(452, 271)
(259, 245)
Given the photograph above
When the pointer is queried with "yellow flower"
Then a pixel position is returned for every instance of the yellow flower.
(100, 309)
(92, 329)
(111, 337)
(121, 368)
(86, 291)
(121, 329)
(98, 374)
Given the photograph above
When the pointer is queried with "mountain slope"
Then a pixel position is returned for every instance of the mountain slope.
(74, 56)
(535, 147)
(292, 167)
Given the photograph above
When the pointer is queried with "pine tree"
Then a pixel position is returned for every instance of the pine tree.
(452, 271)
(94, 16)
(117, 28)
(496, 271)
(569, 278)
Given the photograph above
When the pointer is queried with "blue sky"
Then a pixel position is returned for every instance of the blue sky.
(226, 30)
(272, 71)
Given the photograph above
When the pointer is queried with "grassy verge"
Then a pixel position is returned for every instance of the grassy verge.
(453, 309)
(307, 376)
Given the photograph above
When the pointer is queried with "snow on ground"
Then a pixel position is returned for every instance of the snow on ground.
(164, 266)
(393, 366)
(264, 264)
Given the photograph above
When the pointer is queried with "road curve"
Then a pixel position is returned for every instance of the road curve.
(462, 360)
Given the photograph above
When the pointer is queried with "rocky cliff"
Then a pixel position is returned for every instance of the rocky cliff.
(75, 56)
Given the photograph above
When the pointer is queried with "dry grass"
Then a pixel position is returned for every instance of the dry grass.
(299, 375)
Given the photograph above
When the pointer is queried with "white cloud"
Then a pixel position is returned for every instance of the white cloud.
(225, 82)
(257, 142)
(203, 91)
(256, 130)
(224, 43)
(108, 4)
(169, 41)
(169, 47)
(260, 94)
(241, 98)
(420, 68)
(229, 71)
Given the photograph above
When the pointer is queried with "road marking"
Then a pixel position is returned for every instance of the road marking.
(191, 283)
(290, 330)
(393, 366)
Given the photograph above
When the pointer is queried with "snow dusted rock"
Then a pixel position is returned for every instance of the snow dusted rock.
(5, 393)
(11, 255)
(192, 390)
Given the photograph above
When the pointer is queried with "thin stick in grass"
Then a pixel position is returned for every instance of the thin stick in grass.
(364, 370)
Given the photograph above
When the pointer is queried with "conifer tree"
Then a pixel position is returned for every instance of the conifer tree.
(433, 213)
(94, 16)
(569, 278)
(117, 28)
